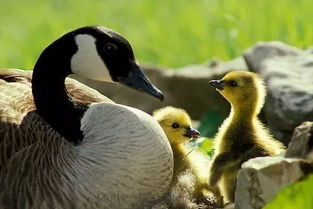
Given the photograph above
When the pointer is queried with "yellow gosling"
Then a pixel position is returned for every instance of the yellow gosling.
(242, 136)
(176, 124)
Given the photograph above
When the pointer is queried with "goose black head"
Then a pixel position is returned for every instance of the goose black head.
(105, 55)
(97, 53)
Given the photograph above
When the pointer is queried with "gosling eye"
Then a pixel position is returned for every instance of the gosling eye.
(175, 125)
(110, 48)
(233, 83)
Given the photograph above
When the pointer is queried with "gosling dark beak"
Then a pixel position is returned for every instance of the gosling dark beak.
(137, 80)
(218, 84)
(192, 133)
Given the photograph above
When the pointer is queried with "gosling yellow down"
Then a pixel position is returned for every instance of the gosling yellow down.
(242, 136)
(176, 124)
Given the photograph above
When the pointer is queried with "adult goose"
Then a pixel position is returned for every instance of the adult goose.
(59, 151)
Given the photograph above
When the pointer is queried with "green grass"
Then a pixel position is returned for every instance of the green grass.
(205, 145)
(297, 196)
(171, 33)
(209, 123)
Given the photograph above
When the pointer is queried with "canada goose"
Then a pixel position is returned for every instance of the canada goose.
(58, 152)
(176, 124)
(242, 136)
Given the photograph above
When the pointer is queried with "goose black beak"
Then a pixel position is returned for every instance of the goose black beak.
(137, 80)
(218, 84)
(192, 133)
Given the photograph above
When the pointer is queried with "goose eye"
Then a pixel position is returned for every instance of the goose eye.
(233, 83)
(110, 48)
(175, 125)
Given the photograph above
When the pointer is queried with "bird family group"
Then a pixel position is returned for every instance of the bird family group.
(64, 145)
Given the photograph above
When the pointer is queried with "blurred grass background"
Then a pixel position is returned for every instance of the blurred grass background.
(171, 33)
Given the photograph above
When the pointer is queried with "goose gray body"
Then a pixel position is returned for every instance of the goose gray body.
(123, 161)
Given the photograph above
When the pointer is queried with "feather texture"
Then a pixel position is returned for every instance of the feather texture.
(40, 169)
(241, 136)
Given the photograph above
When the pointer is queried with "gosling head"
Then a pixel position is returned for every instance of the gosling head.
(244, 90)
(96, 53)
(176, 124)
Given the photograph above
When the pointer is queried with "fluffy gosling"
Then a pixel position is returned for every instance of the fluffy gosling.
(176, 124)
(242, 136)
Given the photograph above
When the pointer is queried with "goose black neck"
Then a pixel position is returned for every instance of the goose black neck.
(49, 91)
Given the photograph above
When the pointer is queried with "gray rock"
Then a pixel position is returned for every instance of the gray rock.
(260, 179)
(288, 74)
(302, 141)
(187, 88)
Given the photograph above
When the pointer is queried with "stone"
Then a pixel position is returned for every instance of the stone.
(260, 179)
(288, 74)
(186, 88)
(302, 141)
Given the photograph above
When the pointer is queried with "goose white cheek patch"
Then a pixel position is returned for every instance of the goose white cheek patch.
(86, 61)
